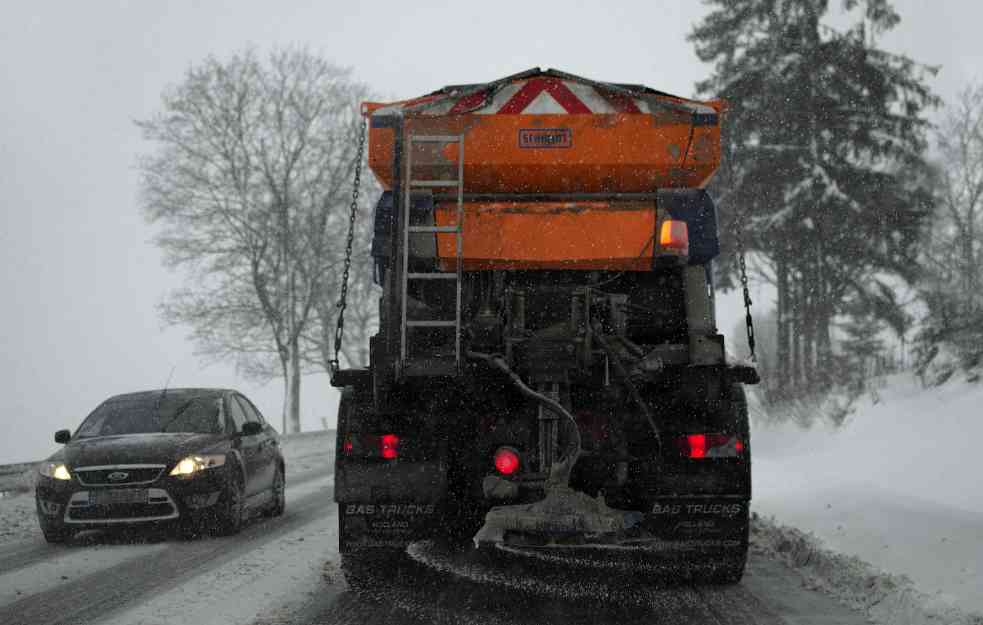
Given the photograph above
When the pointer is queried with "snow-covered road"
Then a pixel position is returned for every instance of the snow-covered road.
(285, 570)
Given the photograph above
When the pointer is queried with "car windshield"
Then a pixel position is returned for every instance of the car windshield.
(154, 413)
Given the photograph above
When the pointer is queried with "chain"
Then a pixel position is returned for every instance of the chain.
(343, 298)
(744, 285)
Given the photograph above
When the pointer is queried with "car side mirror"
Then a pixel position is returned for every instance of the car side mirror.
(252, 428)
(63, 436)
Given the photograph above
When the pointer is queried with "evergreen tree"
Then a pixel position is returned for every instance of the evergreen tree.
(822, 134)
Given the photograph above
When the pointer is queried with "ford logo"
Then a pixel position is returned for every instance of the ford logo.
(118, 476)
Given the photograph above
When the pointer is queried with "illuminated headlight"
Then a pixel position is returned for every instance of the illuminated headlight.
(193, 464)
(55, 470)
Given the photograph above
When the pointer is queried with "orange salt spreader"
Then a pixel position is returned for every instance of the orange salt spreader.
(559, 172)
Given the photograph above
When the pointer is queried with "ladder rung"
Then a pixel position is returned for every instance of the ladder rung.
(431, 324)
(435, 138)
(433, 228)
(434, 183)
(432, 276)
(426, 366)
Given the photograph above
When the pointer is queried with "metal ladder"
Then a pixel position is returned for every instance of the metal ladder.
(430, 366)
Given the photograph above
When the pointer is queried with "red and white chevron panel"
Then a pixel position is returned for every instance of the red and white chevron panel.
(541, 95)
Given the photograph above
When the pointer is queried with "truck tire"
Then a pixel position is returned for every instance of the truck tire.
(731, 569)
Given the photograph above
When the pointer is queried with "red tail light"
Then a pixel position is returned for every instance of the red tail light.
(372, 446)
(697, 446)
(389, 446)
(507, 461)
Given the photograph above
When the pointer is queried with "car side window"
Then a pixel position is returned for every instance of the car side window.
(238, 416)
(247, 408)
(259, 414)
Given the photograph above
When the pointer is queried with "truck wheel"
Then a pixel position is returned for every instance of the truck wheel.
(729, 572)
(731, 569)
(462, 527)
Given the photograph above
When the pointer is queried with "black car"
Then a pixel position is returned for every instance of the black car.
(197, 458)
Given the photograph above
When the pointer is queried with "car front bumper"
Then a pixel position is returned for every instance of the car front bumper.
(69, 504)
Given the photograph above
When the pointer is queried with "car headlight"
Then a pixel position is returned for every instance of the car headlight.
(193, 464)
(55, 470)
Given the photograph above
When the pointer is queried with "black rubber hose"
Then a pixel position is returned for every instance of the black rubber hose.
(619, 367)
(561, 469)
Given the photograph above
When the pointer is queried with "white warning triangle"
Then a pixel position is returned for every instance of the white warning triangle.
(544, 104)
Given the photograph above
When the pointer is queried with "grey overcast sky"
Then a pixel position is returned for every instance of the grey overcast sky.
(79, 277)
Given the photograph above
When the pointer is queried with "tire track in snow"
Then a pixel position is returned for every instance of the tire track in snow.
(104, 592)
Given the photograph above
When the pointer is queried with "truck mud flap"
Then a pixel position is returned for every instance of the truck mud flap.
(383, 505)
(416, 482)
(705, 525)
(385, 525)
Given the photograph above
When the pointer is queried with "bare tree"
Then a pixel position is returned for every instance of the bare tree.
(958, 233)
(952, 334)
(362, 310)
(249, 181)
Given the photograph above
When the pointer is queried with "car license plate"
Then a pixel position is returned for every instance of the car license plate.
(118, 496)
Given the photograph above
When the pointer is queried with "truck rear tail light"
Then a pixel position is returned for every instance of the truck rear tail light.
(389, 446)
(385, 446)
(507, 461)
(698, 446)
(674, 237)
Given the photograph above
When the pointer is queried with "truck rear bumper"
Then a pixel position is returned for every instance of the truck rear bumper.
(698, 523)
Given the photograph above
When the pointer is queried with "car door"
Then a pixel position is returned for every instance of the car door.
(248, 446)
(266, 451)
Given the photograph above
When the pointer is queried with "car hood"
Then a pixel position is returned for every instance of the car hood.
(156, 448)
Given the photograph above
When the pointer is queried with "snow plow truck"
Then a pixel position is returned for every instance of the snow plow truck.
(547, 374)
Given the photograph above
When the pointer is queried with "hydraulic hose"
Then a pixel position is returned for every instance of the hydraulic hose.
(619, 367)
(561, 469)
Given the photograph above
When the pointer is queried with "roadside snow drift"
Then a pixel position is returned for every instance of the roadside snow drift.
(898, 486)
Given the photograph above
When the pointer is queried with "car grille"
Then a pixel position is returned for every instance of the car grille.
(134, 474)
(121, 512)
(151, 504)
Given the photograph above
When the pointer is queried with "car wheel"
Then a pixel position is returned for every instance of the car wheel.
(229, 515)
(279, 503)
(56, 536)
(188, 529)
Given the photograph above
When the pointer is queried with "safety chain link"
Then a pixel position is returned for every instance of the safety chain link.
(742, 263)
(343, 298)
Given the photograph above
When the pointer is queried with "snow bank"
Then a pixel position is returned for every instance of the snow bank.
(896, 486)
(884, 598)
